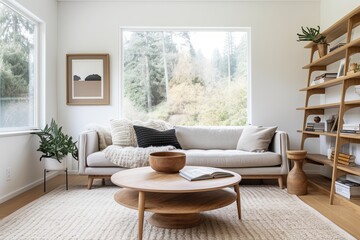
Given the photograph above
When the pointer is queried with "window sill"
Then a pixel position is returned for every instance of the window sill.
(17, 133)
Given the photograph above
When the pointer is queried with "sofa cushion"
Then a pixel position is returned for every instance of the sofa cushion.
(255, 139)
(221, 137)
(147, 137)
(230, 158)
(122, 133)
(97, 159)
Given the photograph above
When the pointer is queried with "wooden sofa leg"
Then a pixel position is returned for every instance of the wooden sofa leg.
(280, 180)
(103, 181)
(90, 182)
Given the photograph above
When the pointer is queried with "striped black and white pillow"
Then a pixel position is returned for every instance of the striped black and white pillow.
(147, 137)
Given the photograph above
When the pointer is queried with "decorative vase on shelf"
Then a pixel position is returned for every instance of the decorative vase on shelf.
(322, 49)
(54, 165)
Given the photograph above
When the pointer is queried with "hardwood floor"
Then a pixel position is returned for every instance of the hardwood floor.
(343, 216)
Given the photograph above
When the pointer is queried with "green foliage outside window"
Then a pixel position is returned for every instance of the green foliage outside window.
(166, 77)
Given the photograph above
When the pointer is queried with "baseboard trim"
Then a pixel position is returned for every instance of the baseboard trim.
(27, 187)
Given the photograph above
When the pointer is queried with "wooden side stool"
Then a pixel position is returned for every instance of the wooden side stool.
(296, 179)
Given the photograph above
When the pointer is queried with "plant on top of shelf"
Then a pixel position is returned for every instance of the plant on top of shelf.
(55, 144)
(314, 35)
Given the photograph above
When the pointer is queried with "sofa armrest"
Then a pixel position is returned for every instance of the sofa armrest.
(88, 143)
(280, 145)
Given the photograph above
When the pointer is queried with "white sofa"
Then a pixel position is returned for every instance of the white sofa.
(203, 146)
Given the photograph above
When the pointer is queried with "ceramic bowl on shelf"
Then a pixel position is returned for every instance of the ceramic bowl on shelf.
(167, 162)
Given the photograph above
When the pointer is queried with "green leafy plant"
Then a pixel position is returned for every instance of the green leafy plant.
(311, 34)
(54, 143)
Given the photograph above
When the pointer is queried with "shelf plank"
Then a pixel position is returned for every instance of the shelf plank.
(318, 158)
(333, 82)
(330, 134)
(338, 29)
(352, 170)
(333, 56)
(350, 136)
(323, 106)
(354, 102)
(330, 83)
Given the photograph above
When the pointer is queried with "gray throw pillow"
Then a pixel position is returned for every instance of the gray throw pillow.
(255, 139)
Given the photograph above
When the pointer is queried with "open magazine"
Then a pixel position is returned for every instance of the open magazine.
(194, 174)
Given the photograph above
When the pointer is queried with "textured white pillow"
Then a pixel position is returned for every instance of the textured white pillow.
(255, 139)
(122, 133)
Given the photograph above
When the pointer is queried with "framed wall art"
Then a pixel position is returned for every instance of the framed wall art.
(87, 79)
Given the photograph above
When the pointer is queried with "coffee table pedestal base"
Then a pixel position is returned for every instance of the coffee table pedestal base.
(173, 221)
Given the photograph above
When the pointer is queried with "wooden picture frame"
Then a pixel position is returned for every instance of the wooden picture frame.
(87, 79)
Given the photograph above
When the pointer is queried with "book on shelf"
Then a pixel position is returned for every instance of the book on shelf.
(344, 159)
(315, 127)
(347, 188)
(194, 174)
(326, 75)
(323, 78)
(350, 131)
(336, 46)
(344, 155)
(351, 126)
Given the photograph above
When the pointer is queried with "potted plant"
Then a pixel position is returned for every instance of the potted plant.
(314, 35)
(55, 146)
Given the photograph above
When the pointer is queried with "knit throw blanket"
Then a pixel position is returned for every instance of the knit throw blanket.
(132, 157)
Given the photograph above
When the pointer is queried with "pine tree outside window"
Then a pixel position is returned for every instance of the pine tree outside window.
(192, 77)
(18, 39)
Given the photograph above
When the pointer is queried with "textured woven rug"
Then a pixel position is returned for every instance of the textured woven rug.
(267, 212)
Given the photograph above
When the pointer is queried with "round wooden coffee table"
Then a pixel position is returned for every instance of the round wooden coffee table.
(175, 201)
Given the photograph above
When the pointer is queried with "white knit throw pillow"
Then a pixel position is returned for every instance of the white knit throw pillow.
(123, 133)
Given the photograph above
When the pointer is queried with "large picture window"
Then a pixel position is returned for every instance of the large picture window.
(17, 70)
(194, 77)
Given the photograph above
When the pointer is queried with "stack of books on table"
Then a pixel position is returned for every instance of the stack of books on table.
(315, 127)
(347, 188)
(323, 78)
(350, 128)
(344, 159)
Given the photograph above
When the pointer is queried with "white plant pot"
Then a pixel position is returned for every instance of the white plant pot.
(54, 165)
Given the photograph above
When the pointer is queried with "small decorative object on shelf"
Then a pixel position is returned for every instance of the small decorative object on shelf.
(314, 35)
(354, 68)
(317, 119)
(329, 123)
(341, 68)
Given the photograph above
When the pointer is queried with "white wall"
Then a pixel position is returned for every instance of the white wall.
(277, 59)
(18, 153)
(333, 10)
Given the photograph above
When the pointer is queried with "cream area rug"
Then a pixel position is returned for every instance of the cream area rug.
(267, 213)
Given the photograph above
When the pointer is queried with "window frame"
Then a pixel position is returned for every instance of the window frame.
(199, 29)
(39, 69)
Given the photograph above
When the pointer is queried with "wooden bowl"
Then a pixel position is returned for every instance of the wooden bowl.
(167, 162)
